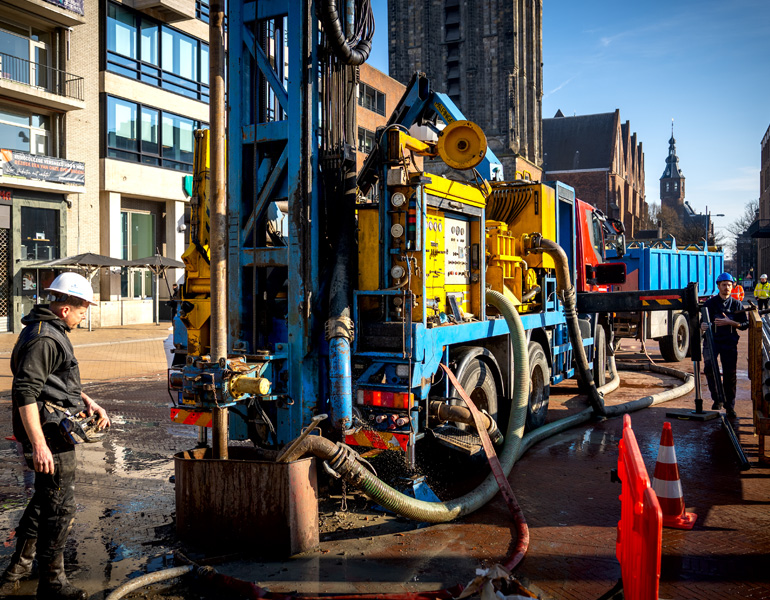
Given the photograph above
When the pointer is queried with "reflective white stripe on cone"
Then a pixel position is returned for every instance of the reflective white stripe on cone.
(667, 486)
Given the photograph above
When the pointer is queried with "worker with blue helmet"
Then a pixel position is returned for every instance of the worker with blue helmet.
(727, 317)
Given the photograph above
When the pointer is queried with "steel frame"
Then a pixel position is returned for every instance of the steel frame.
(274, 110)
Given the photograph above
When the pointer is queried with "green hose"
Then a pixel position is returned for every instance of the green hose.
(343, 460)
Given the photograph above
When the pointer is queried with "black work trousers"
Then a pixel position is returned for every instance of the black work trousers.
(762, 303)
(728, 356)
(51, 511)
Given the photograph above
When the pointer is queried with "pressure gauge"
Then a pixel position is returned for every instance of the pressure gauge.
(397, 272)
(397, 200)
(397, 230)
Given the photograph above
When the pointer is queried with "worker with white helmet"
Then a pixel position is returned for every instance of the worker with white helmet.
(762, 291)
(47, 400)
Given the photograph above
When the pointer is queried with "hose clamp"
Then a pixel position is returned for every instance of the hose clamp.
(340, 327)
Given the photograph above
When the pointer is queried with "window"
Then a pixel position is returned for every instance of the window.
(365, 140)
(202, 10)
(39, 233)
(138, 241)
(667, 184)
(24, 55)
(145, 134)
(676, 186)
(24, 132)
(143, 49)
(371, 99)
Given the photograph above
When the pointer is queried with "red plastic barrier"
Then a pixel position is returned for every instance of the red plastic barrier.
(640, 529)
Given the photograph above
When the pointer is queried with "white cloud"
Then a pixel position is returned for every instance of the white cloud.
(746, 179)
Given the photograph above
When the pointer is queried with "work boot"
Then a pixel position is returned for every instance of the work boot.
(20, 567)
(730, 413)
(54, 584)
(716, 406)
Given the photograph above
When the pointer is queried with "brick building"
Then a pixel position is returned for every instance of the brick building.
(106, 94)
(378, 95)
(760, 229)
(487, 56)
(600, 157)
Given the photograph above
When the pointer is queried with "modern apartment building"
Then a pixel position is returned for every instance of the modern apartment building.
(99, 102)
(39, 177)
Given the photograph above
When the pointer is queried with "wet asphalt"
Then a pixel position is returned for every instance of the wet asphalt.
(125, 521)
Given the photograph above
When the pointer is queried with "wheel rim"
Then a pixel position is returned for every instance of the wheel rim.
(536, 387)
(681, 335)
(479, 397)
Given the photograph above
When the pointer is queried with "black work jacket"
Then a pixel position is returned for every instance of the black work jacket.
(731, 308)
(44, 369)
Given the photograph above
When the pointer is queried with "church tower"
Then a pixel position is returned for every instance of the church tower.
(672, 180)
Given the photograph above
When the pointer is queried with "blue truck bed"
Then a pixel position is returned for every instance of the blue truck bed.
(661, 265)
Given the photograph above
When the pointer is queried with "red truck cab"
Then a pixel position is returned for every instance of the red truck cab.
(594, 274)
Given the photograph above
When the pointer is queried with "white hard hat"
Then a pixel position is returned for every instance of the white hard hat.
(763, 275)
(72, 284)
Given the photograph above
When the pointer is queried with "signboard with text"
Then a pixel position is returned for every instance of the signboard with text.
(73, 5)
(42, 168)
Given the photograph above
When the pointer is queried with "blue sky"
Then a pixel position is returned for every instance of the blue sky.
(704, 63)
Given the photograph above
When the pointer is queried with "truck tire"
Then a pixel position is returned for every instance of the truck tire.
(539, 387)
(479, 383)
(674, 347)
(600, 356)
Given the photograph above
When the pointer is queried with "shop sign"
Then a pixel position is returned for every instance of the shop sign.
(42, 168)
(73, 5)
(6, 195)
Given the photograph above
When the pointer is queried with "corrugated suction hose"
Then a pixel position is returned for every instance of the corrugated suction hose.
(342, 459)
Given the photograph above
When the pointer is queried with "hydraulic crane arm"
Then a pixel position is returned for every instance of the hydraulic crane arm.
(421, 105)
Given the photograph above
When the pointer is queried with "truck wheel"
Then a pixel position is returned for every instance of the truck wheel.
(600, 357)
(539, 387)
(479, 383)
(674, 347)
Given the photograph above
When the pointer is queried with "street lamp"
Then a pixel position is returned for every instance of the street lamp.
(708, 224)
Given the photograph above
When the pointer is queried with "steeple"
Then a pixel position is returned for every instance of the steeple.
(672, 180)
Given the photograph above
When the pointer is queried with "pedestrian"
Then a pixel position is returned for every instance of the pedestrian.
(762, 291)
(726, 316)
(45, 376)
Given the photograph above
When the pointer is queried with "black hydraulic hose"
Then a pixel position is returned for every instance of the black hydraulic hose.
(356, 51)
(569, 303)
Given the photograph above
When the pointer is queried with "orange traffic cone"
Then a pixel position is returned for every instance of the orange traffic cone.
(666, 484)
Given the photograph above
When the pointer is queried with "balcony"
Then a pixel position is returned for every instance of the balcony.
(29, 81)
(67, 13)
(760, 228)
(168, 11)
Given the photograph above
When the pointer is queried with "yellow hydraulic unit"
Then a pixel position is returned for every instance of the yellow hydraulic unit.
(195, 308)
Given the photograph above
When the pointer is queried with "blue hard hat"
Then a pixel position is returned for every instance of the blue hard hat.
(725, 277)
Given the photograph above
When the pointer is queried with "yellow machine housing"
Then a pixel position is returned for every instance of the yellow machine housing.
(452, 236)
(196, 291)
